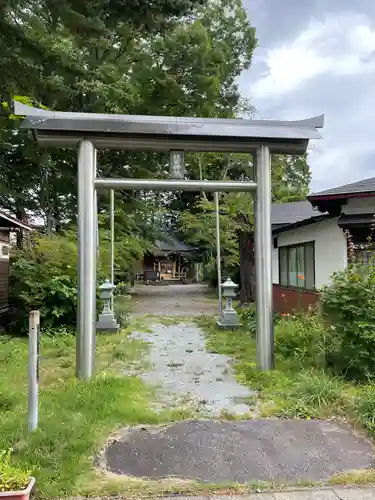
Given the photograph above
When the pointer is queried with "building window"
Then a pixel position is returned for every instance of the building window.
(363, 254)
(296, 266)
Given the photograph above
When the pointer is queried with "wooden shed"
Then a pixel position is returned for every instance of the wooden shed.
(8, 225)
(172, 259)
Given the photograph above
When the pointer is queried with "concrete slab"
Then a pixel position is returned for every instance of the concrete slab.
(240, 451)
(306, 495)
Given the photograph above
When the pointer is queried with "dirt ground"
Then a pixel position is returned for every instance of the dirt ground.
(174, 300)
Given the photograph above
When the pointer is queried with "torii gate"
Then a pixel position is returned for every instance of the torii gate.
(89, 132)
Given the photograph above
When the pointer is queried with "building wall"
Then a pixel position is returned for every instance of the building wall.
(287, 300)
(330, 248)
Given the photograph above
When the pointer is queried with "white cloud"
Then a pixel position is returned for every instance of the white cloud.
(341, 44)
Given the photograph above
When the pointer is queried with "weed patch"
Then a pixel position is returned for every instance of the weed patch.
(299, 387)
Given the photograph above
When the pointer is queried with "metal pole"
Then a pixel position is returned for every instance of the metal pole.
(96, 257)
(86, 260)
(112, 216)
(263, 261)
(34, 336)
(175, 185)
(218, 251)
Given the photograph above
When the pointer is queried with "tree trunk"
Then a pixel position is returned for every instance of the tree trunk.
(247, 267)
(20, 215)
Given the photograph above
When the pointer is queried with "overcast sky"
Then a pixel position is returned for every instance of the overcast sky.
(314, 57)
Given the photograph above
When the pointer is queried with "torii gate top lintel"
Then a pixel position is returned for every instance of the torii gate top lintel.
(164, 133)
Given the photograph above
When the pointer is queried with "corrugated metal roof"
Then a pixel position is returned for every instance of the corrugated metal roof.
(363, 186)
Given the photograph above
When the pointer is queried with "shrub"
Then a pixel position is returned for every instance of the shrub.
(248, 318)
(366, 408)
(302, 338)
(43, 276)
(348, 304)
(122, 288)
(121, 306)
(11, 478)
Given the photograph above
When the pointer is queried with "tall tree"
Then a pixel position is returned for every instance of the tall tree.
(173, 57)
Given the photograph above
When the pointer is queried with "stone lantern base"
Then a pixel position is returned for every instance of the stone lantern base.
(228, 320)
(107, 323)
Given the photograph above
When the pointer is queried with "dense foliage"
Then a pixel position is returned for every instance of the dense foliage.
(175, 57)
(43, 276)
(340, 335)
(348, 304)
(290, 180)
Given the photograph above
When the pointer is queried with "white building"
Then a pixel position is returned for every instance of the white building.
(310, 240)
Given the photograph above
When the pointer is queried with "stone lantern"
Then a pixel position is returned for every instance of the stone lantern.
(107, 321)
(229, 318)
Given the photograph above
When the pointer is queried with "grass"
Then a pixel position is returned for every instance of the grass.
(298, 387)
(75, 418)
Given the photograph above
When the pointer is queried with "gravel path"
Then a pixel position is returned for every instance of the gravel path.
(174, 300)
(180, 365)
(188, 374)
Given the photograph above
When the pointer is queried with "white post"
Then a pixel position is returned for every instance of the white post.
(87, 240)
(112, 216)
(33, 375)
(263, 261)
(218, 252)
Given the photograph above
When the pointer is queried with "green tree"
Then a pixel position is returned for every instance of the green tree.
(173, 57)
(290, 180)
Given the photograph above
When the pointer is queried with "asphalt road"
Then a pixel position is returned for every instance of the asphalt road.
(241, 451)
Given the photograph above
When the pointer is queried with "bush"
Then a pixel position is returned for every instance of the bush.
(11, 478)
(248, 318)
(348, 305)
(302, 338)
(121, 306)
(122, 288)
(43, 276)
(366, 408)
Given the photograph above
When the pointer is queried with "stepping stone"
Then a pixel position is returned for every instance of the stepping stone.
(241, 451)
